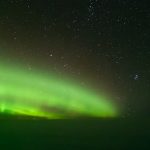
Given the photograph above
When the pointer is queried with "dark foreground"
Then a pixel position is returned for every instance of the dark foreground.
(79, 134)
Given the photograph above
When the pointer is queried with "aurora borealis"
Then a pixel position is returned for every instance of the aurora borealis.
(24, 92)
(79, 58)
(74, 73)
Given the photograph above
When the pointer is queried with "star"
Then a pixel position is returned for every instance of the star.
(136, 77)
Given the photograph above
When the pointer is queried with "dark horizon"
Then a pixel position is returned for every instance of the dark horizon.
(75, 133)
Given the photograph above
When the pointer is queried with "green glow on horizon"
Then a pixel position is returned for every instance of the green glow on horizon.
(33, 93)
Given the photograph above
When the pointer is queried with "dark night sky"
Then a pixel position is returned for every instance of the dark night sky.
(104, 43)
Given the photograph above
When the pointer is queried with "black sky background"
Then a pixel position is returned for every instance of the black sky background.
(102, 43)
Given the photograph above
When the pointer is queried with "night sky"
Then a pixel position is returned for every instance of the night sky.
(101, 43)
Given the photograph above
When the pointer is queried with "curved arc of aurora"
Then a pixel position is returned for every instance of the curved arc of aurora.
(31, 93)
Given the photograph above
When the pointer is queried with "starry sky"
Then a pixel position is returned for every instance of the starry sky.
(101, 43)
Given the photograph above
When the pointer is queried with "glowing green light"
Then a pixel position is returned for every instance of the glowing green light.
(37, 94)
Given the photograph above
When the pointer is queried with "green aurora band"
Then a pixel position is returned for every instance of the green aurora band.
(37, 94)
